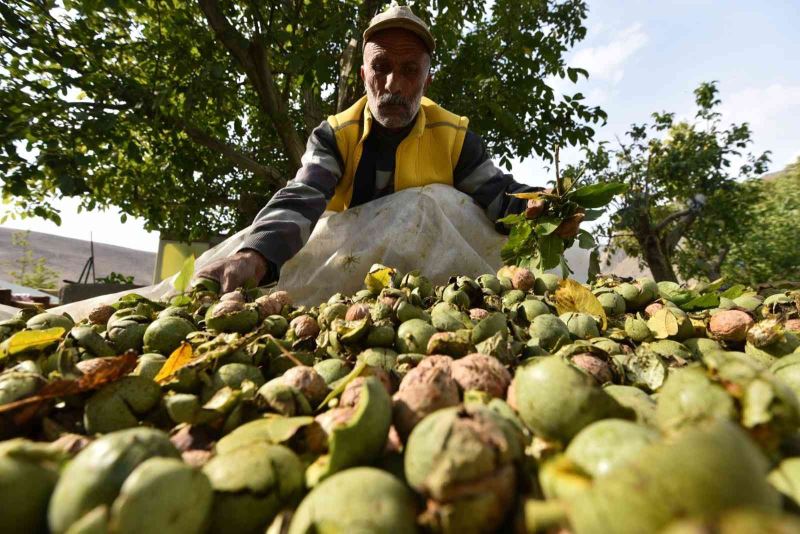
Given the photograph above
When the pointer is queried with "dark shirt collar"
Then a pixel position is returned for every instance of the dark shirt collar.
(384, 134)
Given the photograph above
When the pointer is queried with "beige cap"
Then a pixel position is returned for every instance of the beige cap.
(400, 17)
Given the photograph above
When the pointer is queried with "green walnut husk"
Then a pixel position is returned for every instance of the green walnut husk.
(786, 479)
(165, 334)
(120, 404)
(252, 483)
(605, 445)
(360, 439)
(96, 475)
(703, 471)
(126, 334)
(556, 400)
(162, 495)
(413, 336)
(88, 339)
(360, 500)
(636, 400)
(549, 332)
(231, 316)
(15, 385)
(28, 474)
(46, 320)
(689, 397)
(744, 521)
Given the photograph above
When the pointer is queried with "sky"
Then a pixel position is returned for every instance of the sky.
(642, 56)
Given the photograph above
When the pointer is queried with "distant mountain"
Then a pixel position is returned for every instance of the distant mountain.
(67, 256)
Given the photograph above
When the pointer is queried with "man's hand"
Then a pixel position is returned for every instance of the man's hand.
(235, 271)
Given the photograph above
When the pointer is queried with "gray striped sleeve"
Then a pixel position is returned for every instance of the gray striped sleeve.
(476, 175)
(284, 225)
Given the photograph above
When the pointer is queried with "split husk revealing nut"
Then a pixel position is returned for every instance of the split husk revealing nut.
(464, 460)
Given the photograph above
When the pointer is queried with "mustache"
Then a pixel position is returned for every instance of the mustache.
(393, 100)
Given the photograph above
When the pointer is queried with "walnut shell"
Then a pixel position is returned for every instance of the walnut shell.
(357, 312)
(595, 366)
(476, 314)
(304, 326)
(307, 381)
(101, 314)
(436, 389)
(534, 208)
(282, 297)
(267, 305)
(523, 279)
(730, 325)
(483, 373)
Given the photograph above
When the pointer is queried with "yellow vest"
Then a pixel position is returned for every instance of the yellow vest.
(427, 155)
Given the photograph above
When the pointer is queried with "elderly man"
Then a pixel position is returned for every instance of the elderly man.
(391, 139)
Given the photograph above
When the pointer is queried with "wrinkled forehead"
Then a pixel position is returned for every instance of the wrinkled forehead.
(395, 43)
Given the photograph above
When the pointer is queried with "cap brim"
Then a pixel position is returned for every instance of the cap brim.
(404, 24)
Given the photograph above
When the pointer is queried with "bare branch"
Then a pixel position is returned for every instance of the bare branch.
(253, 59)
(670, 218)
(231, 153)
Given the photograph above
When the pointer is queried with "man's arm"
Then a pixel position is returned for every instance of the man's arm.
(284, 225)
(476, 175)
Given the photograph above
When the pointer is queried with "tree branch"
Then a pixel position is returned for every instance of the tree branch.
(670, 241)
(670, 218)
(231, 153)
(252, 58)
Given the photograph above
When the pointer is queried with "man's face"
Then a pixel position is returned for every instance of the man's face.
(396, 73)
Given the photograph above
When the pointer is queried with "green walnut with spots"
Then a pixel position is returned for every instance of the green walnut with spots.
(28, 475)
(360, 500)
(557, 400)
(96, 475)
(165, 334)
(252, 483)
(120, 404)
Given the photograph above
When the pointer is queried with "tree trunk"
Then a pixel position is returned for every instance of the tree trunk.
(657, 260)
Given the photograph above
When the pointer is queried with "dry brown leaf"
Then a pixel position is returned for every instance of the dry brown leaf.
(97, 373)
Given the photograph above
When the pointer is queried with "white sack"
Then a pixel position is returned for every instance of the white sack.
(434, 229)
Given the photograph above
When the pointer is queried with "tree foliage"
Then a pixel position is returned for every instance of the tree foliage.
(768, 249)
(192, 113)
(686, 199)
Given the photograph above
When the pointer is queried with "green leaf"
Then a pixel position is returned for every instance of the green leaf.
(550, 250)
(514, 218)
(586, 240)
(597, 195)
(546, 225)
(184, 277)
(593, 215)
(733, 292)
(708, 300)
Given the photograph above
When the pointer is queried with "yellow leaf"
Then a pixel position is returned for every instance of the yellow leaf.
(663, 323)
(180, 357)
(378, 277)
(527, 196)
(573, 297)
(30, 340)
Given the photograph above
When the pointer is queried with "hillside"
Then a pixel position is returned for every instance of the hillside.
(67, 257)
